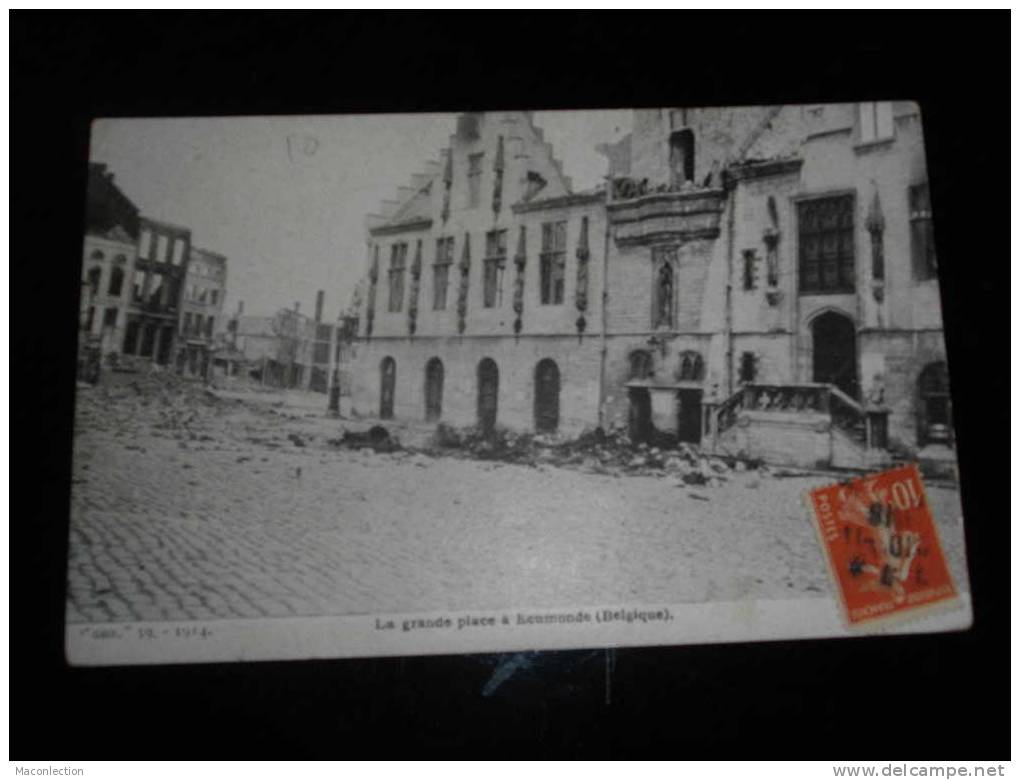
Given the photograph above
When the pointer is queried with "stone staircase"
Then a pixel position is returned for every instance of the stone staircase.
(803, 425)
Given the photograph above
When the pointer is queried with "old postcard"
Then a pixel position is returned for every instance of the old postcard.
(433, 383)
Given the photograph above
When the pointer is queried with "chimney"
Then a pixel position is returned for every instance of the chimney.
(319, 297)
(297, 307)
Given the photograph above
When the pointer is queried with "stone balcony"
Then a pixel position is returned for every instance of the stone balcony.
(646, 216)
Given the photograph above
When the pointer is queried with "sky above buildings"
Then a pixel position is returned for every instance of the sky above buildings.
(285, 198)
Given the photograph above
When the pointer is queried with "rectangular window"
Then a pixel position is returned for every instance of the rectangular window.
(214, 296)
(157, 291)
(110, 317)
(210, 323)
(748, 367)
(441, 272)
(186, 327)
(321, 352)
(131, 337)
(826, 232)
(148, 341)
(876, 122)
(474, 179)
(138, 291)
(162, 249)
(196, 327)
(144, 244)
(922, 235)
(553, 261)
(495, 262)
(179, 247)
(398, 261)
(172, 292)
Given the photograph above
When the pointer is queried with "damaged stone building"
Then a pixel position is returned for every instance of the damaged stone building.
(148, 297)
(288, 349)
(205, 283)
(160, 268)
(108, 263)
(760, 281)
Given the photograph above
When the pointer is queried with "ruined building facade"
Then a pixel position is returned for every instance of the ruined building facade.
(761, 281)
(108, 263)
(148, 297)
(201, 310)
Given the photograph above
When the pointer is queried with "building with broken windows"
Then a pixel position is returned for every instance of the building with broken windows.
(288, 349)
(201, 310)
(153, 313)
(108, 263)
(760, 281)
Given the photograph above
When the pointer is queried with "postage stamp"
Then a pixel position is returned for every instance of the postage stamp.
(882, 546)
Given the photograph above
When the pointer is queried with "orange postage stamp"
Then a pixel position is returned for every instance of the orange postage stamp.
(882, 546)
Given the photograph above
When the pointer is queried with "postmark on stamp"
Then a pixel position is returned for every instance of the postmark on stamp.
(882, 546)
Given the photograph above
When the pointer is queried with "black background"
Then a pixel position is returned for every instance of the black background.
(883, 698)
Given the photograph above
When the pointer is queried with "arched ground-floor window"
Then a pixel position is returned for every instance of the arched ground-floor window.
(433, 389)
(488, 393)
(547, 396)
(387, 387)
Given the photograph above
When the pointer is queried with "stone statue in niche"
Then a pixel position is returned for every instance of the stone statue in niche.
(771, 238)
(664, 313)
(875, 224)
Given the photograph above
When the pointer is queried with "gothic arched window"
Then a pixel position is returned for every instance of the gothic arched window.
(640, 364)
(692, 368)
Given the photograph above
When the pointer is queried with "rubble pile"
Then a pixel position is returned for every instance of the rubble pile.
(161, 403)
(167, 406)
(376, 438)
(610, 453)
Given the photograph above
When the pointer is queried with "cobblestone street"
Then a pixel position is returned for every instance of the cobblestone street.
(241, 508)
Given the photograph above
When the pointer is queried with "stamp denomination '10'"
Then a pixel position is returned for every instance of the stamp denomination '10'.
(882, 546)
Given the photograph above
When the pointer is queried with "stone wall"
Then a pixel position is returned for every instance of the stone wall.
(578, 365)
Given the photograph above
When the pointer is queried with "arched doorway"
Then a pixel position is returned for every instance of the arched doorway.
(387, 387)
(433, 389)
(934, 411)
(834, 351)
(547, 396)
(488, 393)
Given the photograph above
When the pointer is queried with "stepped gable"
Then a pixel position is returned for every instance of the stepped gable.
(546, 148)
(525, 150)
(412, 202)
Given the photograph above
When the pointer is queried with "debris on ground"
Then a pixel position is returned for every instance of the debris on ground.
(188, 410)
(376, 438)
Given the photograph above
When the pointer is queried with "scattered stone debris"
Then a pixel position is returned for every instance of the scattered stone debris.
(376, 438)
(186, 410)
(596, 451)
